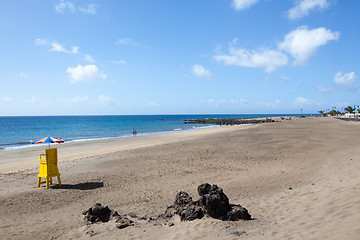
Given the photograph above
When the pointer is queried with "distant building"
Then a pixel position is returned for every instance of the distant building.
(352, 115)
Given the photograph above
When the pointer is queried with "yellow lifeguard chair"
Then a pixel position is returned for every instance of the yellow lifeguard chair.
(48, 167)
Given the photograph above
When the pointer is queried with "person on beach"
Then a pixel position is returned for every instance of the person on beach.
(134, 133)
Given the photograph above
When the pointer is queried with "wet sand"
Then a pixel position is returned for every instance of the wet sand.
(298, 178)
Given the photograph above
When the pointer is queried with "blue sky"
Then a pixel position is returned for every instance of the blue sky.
(61, 57)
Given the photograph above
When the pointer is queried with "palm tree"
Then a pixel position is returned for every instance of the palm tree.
(322, 113)
(350, 109)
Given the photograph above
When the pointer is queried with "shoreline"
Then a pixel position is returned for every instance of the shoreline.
(27, 157)
(183, 125)
(25, 146)
(24, 158)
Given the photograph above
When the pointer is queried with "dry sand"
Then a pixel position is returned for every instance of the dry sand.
(298, 178)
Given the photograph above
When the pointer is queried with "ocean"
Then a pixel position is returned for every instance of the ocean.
(17, 132)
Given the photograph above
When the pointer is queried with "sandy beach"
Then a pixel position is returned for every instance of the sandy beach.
(299, 179)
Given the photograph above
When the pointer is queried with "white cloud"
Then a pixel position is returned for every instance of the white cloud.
(346, 80)
(75, 100)
(266, 58)
(270, 104)
(321, 89)
(6, 99)
(209, 101)
(242, 4)
(302, 43)
(23, 75)
(218, 49)
(118, 62)
(152, 104)
(38, 101)
(90, 9)
(302, 101)
(303, 8)
(62, 6)
(106, 100)
(41, 41)
(84, 73)
(79, 99)
(231, 101)
(126, 41)
(285, 78)
(200, 71)
(243, 101)
(89, 58)
(33, 100)
(75, 50)
(56, 47)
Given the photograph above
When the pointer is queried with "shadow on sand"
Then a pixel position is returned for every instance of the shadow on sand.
(80, 186)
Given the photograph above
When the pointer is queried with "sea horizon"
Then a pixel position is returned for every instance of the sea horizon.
(165, 114)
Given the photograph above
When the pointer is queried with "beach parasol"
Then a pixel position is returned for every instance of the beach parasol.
(48, 140)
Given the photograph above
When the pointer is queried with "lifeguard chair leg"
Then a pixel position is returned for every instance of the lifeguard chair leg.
(47, 182)
(39, 182)
(58, 177)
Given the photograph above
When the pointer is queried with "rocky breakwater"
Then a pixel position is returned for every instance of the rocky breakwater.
(228, 121)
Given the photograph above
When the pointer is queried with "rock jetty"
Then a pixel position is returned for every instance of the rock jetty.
(228, 121)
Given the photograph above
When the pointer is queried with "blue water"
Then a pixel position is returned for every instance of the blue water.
(17, 132)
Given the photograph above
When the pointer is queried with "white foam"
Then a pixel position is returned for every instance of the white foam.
(24, 146)
(104, 138)
(210, 126)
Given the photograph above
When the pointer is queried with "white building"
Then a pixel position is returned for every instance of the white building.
(351, 115)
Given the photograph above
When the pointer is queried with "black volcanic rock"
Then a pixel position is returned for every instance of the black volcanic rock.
(236, 213)
(98, 213)
(182, 200)
(123, 223)
(186, 208)
(213, 202)
(192, 212)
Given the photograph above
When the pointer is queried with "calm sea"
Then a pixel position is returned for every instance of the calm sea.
(17, 132)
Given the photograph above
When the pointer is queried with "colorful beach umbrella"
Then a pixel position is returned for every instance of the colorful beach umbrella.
(48, 140)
